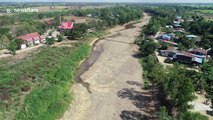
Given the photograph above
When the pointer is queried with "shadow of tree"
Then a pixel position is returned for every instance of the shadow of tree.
(135, 83)
(144, 101)
(132, 115)
(209, 112)
(137, 55)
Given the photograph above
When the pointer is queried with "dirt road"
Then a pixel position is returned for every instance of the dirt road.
(115, 81)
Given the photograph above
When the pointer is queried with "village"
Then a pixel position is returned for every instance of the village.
(55, 34)
(170, 51)
(33, 39)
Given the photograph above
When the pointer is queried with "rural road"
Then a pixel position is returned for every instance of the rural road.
(115, 81)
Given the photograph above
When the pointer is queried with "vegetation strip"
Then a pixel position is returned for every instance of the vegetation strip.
(51, 101)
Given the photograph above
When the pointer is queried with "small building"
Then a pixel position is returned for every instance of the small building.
(32, 39)
(183, 58)
(66, 26)
(164, 37)
(187, 58)
(172, 35)
(170, 52)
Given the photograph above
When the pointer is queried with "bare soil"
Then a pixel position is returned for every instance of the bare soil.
(115, 81)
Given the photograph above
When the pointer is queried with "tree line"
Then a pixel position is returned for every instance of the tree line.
(177, 85)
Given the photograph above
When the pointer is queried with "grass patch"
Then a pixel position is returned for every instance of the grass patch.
(45, 79)
(49, 102)
(206, 11)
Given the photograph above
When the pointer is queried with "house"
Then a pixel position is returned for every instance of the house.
(66, 26)
(32, 39)
(188, 58)
(164, 37)
(170, 52)
(183, 58)
(172, 35)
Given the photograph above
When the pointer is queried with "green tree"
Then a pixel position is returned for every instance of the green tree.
(186, 43)
(179, 88)
(163, 114)
(148, 47)
(18, 43)
(207, 70)
(12, 47)
(60, 38)
(50, 41)
(78, 32)
(191, 116)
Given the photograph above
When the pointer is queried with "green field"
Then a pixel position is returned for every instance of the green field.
(37, 88)
(205, 11)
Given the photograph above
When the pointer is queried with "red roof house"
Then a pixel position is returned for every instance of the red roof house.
(32, 37)
(66, 26)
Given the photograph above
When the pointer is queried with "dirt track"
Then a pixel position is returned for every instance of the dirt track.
(115, 81)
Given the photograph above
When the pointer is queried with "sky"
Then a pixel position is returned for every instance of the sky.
(146, 1)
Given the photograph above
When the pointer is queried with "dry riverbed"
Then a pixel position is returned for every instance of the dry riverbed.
(114, 79)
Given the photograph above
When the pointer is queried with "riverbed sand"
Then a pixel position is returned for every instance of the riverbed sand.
(115, 80)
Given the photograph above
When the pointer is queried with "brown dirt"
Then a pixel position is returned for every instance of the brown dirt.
(115, 81)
